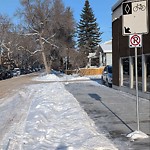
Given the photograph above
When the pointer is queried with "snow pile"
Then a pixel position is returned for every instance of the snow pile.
(76, 78)
(137, 135)
(53, 77)
(80, 78)
(47, 77)
(65, 78)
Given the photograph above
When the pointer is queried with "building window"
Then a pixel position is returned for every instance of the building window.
(95, 62)
(148, 72)
(139, 67)
(128, 76)
(125, 63)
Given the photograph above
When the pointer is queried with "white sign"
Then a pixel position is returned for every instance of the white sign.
(135, 18)
(135, 40)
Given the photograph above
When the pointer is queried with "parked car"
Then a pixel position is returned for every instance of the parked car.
(107, 76)
(2, 74)
(16, 72)
(9, 74)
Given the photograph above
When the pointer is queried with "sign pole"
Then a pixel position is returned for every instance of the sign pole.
(137, 97)
(134, 20)
(137, 134)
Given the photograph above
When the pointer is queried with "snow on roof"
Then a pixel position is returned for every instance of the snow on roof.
(107, 47)
(117, 4)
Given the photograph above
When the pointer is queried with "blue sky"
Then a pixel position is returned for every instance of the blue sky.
(101, 9)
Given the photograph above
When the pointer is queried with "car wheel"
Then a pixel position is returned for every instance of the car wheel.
(108, 84)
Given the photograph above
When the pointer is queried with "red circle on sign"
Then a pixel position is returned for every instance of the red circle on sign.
(135, 40)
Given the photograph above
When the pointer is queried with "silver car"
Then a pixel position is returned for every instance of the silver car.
(107, 76)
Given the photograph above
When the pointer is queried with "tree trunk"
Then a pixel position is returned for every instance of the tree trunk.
(50, 65)
(0, 60)
(47, 69)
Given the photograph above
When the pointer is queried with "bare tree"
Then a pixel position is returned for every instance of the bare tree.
(37, 16)
(64, 28)
(51, 27)
(5, 40)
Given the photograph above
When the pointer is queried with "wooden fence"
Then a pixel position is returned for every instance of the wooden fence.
(91, 71)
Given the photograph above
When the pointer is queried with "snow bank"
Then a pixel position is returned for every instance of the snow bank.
(137, 135)
(67, 78)
(56, 121)
(53, 77)
(48, 77)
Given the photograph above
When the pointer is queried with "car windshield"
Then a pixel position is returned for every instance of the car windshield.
(110, 69)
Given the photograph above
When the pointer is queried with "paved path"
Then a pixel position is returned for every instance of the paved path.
(114, 112)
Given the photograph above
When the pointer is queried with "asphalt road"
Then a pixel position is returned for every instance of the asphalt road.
(12, 85)
(114, 112)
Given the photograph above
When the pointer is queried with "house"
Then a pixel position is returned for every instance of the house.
(106, 53)
(93, 60)
(102, 57)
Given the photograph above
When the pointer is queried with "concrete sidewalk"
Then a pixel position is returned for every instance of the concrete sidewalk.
(114, 112)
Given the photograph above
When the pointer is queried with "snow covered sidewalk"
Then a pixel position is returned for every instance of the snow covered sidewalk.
(55, 121)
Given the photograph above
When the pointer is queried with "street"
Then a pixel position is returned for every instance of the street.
(11, 85)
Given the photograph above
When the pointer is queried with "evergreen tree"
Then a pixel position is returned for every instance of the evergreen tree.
(88, 31)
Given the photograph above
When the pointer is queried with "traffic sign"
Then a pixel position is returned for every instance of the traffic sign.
(134, 17)
(135, 40)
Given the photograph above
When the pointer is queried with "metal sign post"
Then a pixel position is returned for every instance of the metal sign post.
(135, 41)
(137, 93)
(134, 25)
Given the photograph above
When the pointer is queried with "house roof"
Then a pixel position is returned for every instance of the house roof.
(107, 47)
(117, 4)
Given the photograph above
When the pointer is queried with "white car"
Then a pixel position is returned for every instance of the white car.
(107, 76)
(16, 72)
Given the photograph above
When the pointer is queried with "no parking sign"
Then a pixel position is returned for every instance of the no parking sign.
(135, 40)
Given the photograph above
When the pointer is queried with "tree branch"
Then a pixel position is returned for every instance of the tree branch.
(32, 53)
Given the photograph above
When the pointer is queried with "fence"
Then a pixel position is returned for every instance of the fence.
(91, 71)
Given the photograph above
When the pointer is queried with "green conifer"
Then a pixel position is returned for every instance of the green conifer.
(88, 31)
